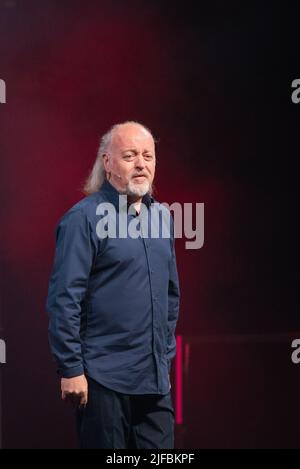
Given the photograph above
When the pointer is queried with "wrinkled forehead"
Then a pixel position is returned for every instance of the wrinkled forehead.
(132, 137)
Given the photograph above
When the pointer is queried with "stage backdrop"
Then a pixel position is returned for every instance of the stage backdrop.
(203, 79)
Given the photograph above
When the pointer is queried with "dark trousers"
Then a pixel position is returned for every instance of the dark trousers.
(113, 420)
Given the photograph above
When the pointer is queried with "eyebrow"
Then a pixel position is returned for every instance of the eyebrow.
(133, 149)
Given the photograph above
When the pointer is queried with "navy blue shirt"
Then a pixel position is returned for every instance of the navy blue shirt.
(113, 303)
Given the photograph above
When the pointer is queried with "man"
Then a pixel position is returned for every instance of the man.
(113, 302)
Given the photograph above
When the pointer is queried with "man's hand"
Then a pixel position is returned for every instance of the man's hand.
(75, 390)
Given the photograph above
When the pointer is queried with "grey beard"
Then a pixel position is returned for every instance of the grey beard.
(139, 191)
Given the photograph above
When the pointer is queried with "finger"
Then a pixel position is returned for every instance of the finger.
(83, 399)
(67, 396)
(70, 397)
(75, 399)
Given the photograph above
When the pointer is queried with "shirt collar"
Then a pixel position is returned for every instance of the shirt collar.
(113, 195)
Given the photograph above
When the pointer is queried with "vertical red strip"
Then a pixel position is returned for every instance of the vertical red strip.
(178, 381)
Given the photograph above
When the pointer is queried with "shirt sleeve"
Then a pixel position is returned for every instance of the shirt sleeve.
(173, 301)
(74, 255)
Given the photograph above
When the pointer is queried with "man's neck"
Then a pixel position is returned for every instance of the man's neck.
(136, 202)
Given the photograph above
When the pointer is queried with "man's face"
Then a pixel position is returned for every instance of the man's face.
(130, 160)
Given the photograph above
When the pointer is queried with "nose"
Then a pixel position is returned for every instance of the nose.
(140, 162)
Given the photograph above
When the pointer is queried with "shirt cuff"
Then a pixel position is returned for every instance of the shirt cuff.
(71, 372)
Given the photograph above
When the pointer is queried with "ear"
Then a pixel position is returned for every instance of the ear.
(106, 162)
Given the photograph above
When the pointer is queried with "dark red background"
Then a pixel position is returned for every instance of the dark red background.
(205, 81)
